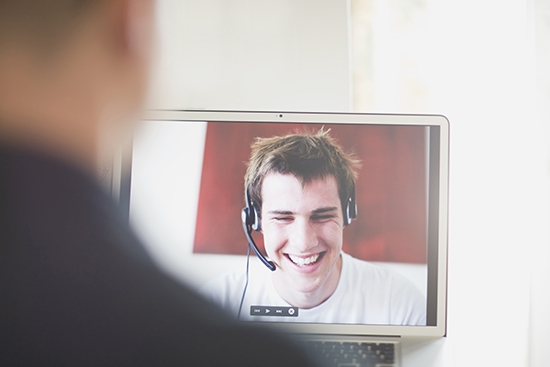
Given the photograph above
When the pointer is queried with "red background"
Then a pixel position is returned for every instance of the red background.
(390, 190)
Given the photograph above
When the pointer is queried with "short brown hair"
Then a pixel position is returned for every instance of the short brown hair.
(307, 156)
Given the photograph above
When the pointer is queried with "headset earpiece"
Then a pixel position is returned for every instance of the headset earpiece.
(252, 215)
(256, 223)
(350, 212)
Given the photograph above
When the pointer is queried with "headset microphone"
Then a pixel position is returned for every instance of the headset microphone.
(251, 221)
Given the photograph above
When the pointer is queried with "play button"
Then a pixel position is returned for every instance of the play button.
(274, 311)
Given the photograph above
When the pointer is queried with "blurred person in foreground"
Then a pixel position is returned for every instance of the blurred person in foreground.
(76, 286)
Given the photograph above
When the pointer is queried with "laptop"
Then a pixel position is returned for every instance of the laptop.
(359, 269)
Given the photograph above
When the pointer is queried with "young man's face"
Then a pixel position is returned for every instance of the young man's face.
(303, 227)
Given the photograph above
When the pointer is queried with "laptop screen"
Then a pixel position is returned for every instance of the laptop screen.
(305, 219)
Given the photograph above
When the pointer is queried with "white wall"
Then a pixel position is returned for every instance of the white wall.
(540, 295)
(474, 61)
(499, 177)
(253, 54)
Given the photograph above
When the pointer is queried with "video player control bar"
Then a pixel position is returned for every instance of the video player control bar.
(273, 311)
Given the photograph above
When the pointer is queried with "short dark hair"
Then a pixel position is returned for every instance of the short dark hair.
(43, 23)
(307, 156)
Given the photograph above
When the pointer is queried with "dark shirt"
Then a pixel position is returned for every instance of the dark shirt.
(77, 288)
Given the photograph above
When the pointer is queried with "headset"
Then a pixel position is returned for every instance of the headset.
(251, 221)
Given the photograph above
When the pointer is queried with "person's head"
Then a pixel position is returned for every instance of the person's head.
(300, 184)
(70, 69)
(306, 156)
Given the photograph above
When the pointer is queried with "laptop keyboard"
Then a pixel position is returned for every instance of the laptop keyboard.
(349, 354)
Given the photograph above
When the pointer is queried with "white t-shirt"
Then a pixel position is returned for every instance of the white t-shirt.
(366, 294)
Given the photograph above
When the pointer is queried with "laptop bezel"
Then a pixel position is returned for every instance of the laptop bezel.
(122, 187)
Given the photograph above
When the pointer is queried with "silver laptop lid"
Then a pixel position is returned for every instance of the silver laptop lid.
(366, 260)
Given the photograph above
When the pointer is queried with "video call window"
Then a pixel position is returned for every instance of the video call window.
(192, 174)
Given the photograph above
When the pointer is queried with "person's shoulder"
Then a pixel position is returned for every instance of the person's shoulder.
(357, 265)
(375, 272)
(224, 282)
(224, 289)
(406, 301)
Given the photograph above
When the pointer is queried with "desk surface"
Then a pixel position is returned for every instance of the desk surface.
(425, 352)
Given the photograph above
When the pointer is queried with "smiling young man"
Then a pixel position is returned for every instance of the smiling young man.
(303, 188)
